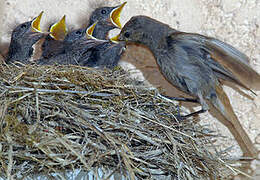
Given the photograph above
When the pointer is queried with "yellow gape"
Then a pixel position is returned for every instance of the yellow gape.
(90, 30)
(36, 23)
(115, 38)
(59, 30)
(115, 15)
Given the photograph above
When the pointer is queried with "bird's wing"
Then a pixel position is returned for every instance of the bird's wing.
(227, 62)
(182, 64)
(188, 55)
(234, 61)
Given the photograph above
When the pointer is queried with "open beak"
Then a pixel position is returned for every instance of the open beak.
(115, 15)
(115, 38)
(91, 38)
(36, 23)
(59, 30)
(90, 30)
(35, 31)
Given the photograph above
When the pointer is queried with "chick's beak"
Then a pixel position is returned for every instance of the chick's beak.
(59, 30)
(35, 30)
(36, 22)
(90, 30)
(115, 15)
(115, 38)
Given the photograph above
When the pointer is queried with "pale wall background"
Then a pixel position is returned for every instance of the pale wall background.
(234, 21)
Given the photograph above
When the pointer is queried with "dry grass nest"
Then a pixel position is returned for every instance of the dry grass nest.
(56, 118)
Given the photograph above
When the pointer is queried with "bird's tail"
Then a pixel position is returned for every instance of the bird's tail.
(223, 111)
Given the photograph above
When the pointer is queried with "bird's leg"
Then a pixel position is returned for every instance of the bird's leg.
(180, 117)
(181, 99)
(194, 113)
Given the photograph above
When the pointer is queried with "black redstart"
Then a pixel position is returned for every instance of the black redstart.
(195, 64)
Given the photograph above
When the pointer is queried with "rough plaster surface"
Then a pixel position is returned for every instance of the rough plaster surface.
(234, 21)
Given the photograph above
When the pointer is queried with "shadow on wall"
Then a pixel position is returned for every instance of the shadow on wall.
(1, 24)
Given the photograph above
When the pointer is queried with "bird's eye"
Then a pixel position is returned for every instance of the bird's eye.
(78, 32)
(127, 34)
(103, 11)
(23, 26)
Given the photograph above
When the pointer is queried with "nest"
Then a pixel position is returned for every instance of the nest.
(59, 118)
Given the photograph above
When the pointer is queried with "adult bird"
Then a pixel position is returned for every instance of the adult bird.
(196, 65)
(24, 36)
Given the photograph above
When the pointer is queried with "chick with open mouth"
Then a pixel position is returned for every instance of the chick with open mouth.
(53, 43)
(24, 36)
(108, 18)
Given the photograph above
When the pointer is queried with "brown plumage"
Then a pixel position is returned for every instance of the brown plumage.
(195, 64)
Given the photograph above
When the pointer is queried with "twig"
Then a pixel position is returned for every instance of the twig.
(59, 91)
